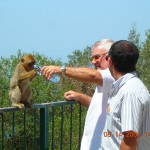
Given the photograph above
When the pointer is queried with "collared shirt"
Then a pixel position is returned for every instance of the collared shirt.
(128, 110)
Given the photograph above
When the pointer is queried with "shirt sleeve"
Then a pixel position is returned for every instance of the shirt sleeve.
(107, 79)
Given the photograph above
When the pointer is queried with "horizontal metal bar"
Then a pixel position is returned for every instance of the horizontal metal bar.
(36, 106)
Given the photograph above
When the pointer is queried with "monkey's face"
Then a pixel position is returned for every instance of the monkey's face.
(28, 62)
(31, 65)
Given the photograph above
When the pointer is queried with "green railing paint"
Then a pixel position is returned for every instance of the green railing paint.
(61, 129)
(71, 127)
(44, 128)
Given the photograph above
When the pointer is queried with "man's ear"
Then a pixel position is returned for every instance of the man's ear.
(110, 61)
(107, 57)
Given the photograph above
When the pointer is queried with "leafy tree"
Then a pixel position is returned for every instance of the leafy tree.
(144, 47)
(134, 36)
(145, 61)
(81, 59)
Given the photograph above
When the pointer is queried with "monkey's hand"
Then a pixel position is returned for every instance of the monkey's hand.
(28, 75)
(34, 74)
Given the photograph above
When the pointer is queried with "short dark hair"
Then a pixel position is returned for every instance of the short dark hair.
(124, 55)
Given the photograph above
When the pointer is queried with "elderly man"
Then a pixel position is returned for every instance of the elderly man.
(96, 115)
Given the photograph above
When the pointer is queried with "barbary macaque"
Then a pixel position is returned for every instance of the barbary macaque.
(20, 93)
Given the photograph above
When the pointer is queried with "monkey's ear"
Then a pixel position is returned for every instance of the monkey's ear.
(22, 60)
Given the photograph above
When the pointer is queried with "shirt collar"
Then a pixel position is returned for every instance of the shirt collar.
(121, 81)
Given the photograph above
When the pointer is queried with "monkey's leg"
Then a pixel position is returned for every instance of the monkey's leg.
(26, 98)
(15, 96)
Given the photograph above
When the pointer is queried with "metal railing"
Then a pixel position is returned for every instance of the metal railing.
(48, 126)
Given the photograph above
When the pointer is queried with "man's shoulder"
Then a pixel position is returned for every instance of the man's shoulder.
(136, 87)
(136, 84)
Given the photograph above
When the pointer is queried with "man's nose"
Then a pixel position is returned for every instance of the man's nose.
(93, 61)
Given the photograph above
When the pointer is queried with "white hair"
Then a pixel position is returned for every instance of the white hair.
(103, 44)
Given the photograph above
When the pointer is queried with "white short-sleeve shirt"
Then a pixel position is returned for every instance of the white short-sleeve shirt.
(96, 114)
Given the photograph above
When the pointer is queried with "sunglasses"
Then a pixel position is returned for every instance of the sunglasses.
(97, 56)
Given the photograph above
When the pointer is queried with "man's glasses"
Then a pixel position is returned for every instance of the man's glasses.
(97, 56)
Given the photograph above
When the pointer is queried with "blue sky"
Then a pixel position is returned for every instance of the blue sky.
(56, 28)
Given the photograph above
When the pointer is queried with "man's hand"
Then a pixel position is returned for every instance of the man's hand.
(48, 71)
(71, 95)
(129, 141)
(79, 97)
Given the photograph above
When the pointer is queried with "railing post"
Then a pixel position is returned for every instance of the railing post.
(44, 128)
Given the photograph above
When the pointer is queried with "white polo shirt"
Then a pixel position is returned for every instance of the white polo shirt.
(96, 114)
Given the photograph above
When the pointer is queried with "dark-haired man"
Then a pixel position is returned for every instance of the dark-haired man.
(127, 125)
